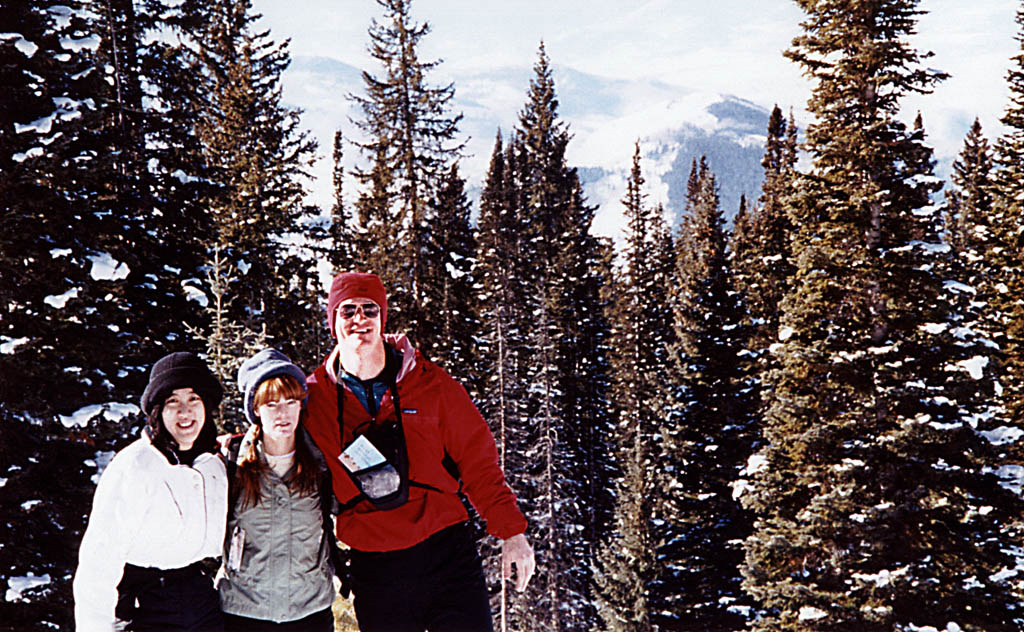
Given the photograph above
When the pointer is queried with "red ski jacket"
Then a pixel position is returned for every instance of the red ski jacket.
(438, 417)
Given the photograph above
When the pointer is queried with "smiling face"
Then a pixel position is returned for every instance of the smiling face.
(356, 330)
(183, 414)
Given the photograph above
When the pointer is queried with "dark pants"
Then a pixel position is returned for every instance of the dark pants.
(180, 599)
(322, 621)
(436, 585)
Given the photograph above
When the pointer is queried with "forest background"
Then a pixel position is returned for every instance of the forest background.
(807, 418)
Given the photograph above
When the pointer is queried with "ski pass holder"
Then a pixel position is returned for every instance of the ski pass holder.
(236, 549)
(377, 463)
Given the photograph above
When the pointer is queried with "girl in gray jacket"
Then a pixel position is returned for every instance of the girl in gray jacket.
(277, 573)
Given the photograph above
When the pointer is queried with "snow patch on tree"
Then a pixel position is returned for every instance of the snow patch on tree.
(1003, 435)
(75, 45)
(975, 366)
(810, 613)
(111, 411)
(8, 345)
(107, 268)
(17, 585)
(27, 48)
(58, 301)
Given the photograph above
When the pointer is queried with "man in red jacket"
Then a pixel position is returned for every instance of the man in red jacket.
(401, 437)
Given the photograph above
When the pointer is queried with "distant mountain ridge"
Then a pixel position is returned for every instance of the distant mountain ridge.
(606, 116)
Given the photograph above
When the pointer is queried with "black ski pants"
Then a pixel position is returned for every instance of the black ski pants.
(437, 585)
(181, 599)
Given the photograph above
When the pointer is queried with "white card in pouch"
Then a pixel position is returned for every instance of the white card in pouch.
(361, 454)
(235, 551)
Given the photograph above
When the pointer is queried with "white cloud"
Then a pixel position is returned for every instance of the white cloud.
(691, 47)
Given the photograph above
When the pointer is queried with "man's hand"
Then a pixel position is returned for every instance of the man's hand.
(517, 550)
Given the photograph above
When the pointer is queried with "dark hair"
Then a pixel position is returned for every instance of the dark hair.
(252, 468)
(161, 437)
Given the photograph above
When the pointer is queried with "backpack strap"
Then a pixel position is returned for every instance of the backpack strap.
(392, 385)
(339, 557)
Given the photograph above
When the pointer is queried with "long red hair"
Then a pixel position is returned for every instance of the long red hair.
(252, 468)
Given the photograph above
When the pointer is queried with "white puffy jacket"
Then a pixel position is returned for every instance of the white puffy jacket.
(149, 513)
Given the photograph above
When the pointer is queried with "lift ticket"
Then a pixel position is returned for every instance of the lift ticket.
(361, 454)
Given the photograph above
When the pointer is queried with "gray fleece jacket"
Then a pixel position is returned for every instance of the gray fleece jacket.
(276, 563)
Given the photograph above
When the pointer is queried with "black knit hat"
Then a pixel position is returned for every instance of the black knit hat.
(181, 370)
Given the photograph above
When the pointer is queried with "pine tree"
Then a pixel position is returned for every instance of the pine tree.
(563, 360)
(410, 142)
(117, 159)
(500, 311)
(1006, 256)
(97, 233)
(450, 256)
(1005, 262)
(974, 282)
(630, 589)
(44, 278)
(761, 250)
(343, 234)
(228, 343)
(259, 157)
(969, 204)
(712, 437)
(544, 338)
(874, 509)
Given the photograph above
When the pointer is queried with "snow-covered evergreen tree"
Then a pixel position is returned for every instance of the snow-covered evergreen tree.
(563, 361)
(1008, 222)
(874, 509)
(450, 252)
(259, 159)
(636, 587)
(711, 438)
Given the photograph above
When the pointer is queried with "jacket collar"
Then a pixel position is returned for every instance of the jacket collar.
(399, 342)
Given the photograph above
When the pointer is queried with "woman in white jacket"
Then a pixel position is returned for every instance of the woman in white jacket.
(159, 510)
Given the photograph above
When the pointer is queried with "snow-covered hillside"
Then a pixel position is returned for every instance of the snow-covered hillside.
(606, 117)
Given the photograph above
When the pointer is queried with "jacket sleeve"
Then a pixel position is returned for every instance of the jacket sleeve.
(118, 509)
(468, 440)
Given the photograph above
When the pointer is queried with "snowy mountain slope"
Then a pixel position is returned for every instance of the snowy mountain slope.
(605, 116)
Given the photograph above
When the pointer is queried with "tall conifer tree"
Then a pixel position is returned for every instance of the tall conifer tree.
(500, 309)
(712, 438)
(409, 140)
(97, 232)
(1008, 222)
(343, 233)
(564, 360)
(874, 510)
(450, 250)
(761, 252)
(544, 326)
(259, 158)
(633, 590)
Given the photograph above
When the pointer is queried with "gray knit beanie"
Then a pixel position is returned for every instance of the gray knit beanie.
(259, 368)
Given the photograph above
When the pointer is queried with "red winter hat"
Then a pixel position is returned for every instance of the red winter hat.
(356, 285)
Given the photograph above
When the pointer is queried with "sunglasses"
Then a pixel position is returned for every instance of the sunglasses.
(369, 310)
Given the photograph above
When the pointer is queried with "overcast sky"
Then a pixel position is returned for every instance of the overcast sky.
(730, 47)
(727, 46)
